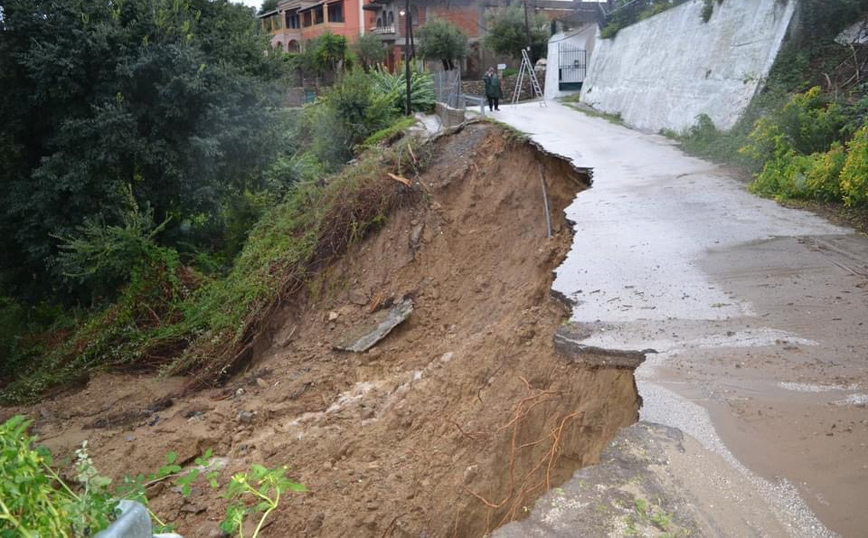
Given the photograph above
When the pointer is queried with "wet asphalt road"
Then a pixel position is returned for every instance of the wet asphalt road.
(755, 311)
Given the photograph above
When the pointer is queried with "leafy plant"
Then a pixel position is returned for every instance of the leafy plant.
(35, 501)
(394, 87)
(265, 487)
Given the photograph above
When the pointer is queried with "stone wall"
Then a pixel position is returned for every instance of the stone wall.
(663, 72)
(507, 84)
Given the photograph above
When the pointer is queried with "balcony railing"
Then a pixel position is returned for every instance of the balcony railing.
(384, 30)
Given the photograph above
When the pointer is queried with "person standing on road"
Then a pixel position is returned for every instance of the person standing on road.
(492, 89)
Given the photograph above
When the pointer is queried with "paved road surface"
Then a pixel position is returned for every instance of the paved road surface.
(756, 312)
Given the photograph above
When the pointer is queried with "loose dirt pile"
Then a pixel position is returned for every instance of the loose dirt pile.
(451, 426)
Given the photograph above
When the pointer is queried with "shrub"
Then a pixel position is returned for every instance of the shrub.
(824, 173)
(103, 257)
(854, 175)
(807, 124)
(798, 146)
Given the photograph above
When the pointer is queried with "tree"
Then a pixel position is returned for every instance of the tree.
(370, 50)
(268, 5)
(441, 40)
(507, 32)
(168, 98)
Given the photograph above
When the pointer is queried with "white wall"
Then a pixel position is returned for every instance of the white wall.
(664, 71)
(584, 38)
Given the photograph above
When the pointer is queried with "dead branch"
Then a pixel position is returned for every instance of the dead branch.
(399, 179)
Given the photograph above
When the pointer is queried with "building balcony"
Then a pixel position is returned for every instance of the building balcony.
(384, 30)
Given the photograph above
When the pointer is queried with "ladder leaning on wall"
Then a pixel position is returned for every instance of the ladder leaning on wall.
(526, 67)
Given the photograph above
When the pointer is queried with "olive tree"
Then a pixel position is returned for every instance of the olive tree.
(441, 40)
(370, 50)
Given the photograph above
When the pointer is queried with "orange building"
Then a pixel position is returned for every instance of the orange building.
(297, 21)
(468, 15)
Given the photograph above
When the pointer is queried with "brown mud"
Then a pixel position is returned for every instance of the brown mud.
(452, 425)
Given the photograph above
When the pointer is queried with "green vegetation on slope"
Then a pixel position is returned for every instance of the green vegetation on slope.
(169, 315)
(629, 12)
(803, 135)
(153, 226)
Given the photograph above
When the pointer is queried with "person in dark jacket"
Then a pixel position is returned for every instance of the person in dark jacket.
(492, 89)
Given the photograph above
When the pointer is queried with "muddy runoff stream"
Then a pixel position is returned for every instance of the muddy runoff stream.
(452, 425)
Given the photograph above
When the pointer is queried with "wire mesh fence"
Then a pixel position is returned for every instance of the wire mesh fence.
(451, 101)
(447, 88)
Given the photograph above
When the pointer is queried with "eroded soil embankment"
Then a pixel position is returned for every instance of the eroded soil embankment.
(452, 425)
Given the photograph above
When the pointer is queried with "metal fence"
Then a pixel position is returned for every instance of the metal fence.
(447, 88)
(451, 101)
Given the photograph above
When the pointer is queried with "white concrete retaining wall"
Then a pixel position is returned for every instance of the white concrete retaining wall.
(663, 72)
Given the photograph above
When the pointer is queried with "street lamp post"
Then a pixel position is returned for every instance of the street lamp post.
(407, 30)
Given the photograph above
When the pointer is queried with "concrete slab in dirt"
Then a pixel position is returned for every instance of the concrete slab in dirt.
(568, 343)
(743, 300)
(651, 481)
(366, 336)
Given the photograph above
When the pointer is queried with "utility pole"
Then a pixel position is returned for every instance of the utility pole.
(407, 31)
(527, 27)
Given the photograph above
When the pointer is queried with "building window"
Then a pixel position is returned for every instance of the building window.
(292, 46)
(391, 18)
(336, 12)
(379, 22)
(292, 20)
(319, 15)
(414, 15)
(308, 19)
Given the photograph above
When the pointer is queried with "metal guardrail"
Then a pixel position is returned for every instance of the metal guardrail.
(132, 522)
(475, 100)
